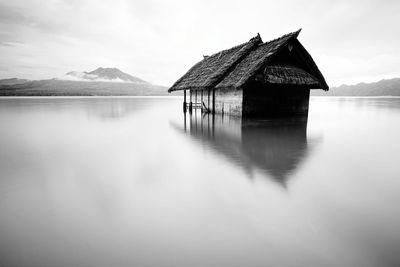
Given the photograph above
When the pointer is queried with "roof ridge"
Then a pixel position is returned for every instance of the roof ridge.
(255, 40)
(237, 46)
(216, 77)
(295, 34)
(262, 61)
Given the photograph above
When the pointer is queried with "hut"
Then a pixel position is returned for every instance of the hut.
(255, 78)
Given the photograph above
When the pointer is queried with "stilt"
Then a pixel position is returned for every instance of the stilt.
(201, 101)
(208, 100)
(195, 120)
(213, 101)
(184, 120)
(184, 101)
(190, 122)
(195, 102)
(190, 103)
(213, 125)
(208, 125)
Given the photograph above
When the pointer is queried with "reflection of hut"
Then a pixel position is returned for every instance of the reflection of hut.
(254, 78)
(275, 147)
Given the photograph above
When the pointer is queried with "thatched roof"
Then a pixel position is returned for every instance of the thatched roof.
(287, 74)
(236, 66)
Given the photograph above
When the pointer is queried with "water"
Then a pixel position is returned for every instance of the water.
(126, 182)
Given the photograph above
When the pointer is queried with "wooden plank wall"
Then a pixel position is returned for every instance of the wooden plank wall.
(229, 101)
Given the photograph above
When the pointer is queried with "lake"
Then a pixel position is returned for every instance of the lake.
(132, 182)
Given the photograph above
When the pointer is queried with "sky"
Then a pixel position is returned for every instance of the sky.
(159, 40)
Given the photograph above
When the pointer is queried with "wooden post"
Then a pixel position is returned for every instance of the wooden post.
(195, 120)
(213, 100)
(195, 108)
(208, 124)
(201, 122)
(208, 101)
(213, 125)
(184, 101)
(190, 103)
(184, 120)
(201, 101)
(190, 122)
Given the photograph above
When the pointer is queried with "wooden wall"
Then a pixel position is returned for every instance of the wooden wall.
(229, 101)
(257, 100)
(275, 100)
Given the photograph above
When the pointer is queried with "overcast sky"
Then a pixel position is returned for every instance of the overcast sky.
(158, 40)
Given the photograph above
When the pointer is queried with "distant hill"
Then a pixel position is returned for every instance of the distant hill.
(112, 81)
(390, 87)
(105, 74)
(100, 82)
(12, 81)
(56, 87)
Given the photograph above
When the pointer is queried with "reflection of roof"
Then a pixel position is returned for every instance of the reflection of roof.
(275, 147)
(235, 66)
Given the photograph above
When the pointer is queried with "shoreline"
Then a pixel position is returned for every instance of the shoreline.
(163, 96)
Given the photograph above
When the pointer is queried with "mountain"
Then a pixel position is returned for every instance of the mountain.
(105, 74)
(55, 87)
(12, 81)
(390, 87)
(113, 82)
(100, 82)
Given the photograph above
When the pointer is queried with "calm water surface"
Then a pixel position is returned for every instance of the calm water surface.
(129, 182)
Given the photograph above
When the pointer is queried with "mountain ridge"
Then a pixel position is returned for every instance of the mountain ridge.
(12, 81)
(99, 82)
(55, 87)
(384, 87)
(106, 74)
(110, 81)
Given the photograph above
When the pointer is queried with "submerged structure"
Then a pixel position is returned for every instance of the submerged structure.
(253, 79)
